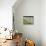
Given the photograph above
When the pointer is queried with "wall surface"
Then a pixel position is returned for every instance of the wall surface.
(43, 22)
(34, 8)
(29, 8)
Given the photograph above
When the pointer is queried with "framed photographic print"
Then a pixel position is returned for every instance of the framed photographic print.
(28, 20)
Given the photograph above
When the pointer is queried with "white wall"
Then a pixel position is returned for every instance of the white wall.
(6, 13)
(29, 8)
(43, 22)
